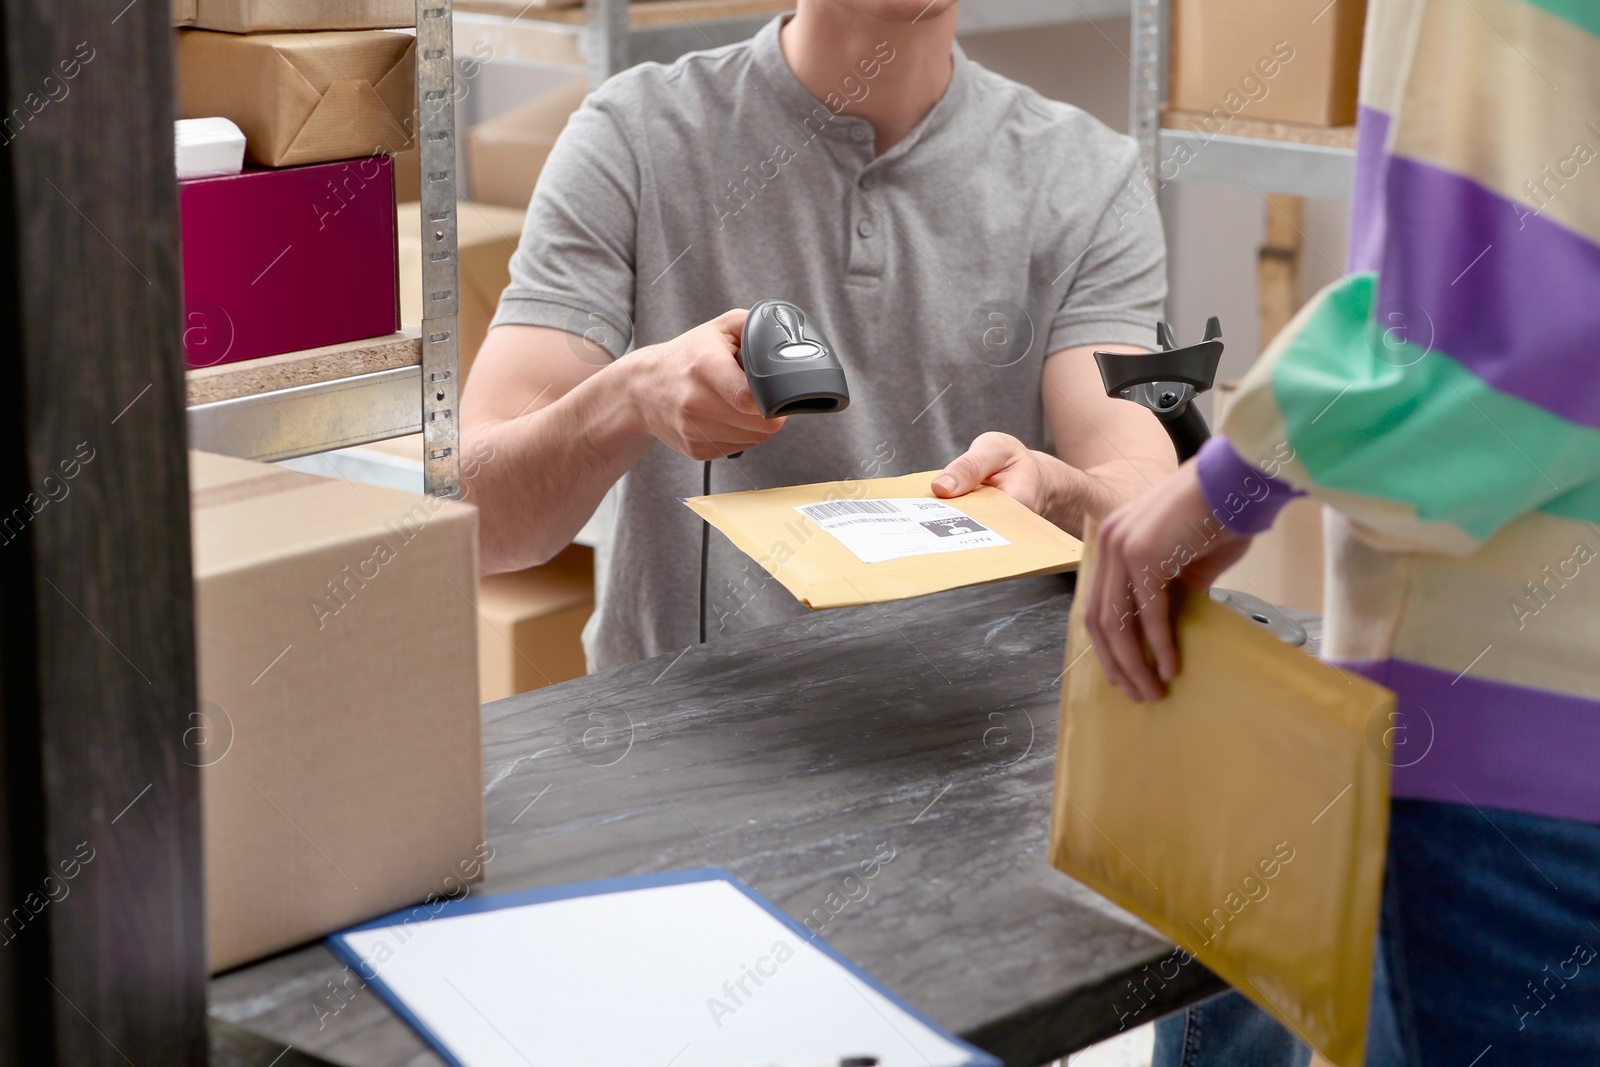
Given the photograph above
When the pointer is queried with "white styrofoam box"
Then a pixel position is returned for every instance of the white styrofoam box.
(208, 148)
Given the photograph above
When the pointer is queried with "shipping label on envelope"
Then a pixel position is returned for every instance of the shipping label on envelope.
(878, 530)
(836, 544)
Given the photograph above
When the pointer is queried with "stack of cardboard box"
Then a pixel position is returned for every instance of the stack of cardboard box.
(506, 153)
(338, 730)
(298, 251)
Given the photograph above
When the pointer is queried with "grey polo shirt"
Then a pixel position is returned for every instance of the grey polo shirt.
(945, 271)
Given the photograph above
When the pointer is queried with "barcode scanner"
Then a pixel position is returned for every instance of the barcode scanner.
(792, 370)
(1166, 382)
(790, 366)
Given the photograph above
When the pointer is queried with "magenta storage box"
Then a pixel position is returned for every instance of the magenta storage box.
(281, 260)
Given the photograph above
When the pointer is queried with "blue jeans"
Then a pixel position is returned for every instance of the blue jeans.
(1489, 953)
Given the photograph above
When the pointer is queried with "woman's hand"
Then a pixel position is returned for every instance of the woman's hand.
(1166, 537)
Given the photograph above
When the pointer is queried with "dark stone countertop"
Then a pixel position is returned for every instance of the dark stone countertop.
(789, 756)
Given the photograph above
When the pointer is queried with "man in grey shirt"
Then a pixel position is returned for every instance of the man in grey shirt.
(963, 242)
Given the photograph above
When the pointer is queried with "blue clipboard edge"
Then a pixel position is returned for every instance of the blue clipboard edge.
(471, 905)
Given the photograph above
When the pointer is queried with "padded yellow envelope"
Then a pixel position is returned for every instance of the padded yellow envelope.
(1244, 816)
(836, 544)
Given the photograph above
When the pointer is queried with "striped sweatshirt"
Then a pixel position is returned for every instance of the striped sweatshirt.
(1443, 401)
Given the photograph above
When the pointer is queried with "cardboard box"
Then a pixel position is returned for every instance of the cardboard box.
(299, 16)
(486, 237)
(1271, 60)
(283, 260)
(408, 175)
(184, 12)
(530, 624)
(505, 154)
(338, 736)
(303, 97)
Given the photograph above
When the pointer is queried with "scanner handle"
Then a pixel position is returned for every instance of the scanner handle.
(1188, 430)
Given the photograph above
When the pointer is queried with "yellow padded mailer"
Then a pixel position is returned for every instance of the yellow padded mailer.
(823, 573)
(1244, 816)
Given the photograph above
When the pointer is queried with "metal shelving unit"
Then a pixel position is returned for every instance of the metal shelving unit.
(1268, 157)
(406, 383)
(308, 402)
(605, 36)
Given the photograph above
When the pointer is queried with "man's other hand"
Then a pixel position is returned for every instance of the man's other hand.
(1033, 479)
(691, 394)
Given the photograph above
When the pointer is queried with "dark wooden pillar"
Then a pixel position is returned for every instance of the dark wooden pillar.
(101, 903)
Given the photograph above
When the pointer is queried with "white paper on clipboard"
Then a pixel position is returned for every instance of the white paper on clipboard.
(686, 969)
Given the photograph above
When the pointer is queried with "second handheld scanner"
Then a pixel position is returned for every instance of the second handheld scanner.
(1166, 382)
(791, 367)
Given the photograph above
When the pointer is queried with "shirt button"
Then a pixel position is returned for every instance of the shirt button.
(868, 181)
(862, 133)
(864, 227)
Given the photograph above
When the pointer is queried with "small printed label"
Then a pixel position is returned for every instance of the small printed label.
(879, 530)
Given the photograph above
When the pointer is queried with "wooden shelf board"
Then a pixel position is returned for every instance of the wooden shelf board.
(310, 367)
(1239, 126)
(640, 12)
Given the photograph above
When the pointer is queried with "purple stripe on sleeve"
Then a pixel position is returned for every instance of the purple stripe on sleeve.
(1508, 294)
(1464, 740)
(1244, 499)
(1366, 195)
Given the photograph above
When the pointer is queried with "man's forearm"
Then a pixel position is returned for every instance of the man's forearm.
(538, 477)
(1076, 495)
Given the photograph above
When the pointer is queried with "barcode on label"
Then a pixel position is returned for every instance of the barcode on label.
(837, 508)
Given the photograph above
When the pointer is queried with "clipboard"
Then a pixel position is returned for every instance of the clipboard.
(840, 544)
(441, 979)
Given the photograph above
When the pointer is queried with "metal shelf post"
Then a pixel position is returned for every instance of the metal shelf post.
(436, 141)
(1148, 82)
(605, 38)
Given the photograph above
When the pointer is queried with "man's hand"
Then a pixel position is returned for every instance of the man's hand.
(1039, 481)
(691, 393)
(552, 422)
(1034, 479)
(1165, 538)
